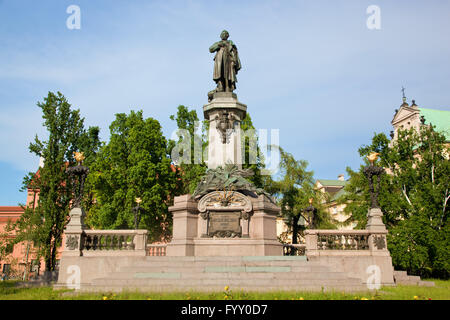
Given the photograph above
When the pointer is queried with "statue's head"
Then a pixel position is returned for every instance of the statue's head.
(224, 35)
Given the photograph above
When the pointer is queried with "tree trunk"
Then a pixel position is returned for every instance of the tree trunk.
(294, 229)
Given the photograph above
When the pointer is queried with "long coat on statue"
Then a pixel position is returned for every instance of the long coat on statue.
(226, 62)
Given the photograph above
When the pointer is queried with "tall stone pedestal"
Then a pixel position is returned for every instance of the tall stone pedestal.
(73, 233)
(195, 234)
(374, 220)
(224, 114)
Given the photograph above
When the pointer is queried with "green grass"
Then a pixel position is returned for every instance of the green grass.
(9, 291)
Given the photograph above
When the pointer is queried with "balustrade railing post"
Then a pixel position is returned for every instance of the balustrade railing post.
(140, 241)
(74, 233)
(311, 242)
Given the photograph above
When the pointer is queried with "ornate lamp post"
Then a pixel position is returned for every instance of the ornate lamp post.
(370, 172)
(374, 216)
(78, 176)
(74, 229)
(137, 212)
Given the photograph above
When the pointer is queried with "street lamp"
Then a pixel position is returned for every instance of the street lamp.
(370, 172)
(137, 212)
(78, 175)
(311, 215)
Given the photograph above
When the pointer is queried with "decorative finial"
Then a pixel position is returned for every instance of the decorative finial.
(392, 134)
(79, 157)
(372, 157)
(404, 97)
(413, 103)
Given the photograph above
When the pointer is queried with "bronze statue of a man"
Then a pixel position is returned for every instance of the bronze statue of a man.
(226, 63)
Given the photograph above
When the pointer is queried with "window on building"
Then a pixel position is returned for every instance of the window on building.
(9, 248)
(6, 268)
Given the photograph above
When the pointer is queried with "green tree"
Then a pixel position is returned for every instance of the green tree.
(134, 163)
(293, 191)
(194, 168)
(45, 225)
(414, 199)
(252, 153)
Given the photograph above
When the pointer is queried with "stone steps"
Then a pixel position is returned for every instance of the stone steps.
(226, 268)
(230, 275)
(214, 273)
(224, 282)
(402, 278)
(153, 264)
(225, 258)
(220, 288)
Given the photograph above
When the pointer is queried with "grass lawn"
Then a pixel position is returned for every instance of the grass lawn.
(9, 291)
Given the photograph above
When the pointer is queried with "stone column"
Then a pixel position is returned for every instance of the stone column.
(311, 242)
(374, 220)
(185, 226)
(378, 232)
(140, 241)
(220, 153)
(74, 233)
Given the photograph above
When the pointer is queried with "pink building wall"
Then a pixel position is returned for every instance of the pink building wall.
(17, 259)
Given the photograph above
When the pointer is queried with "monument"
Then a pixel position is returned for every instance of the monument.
(225, 232)
(226, 215)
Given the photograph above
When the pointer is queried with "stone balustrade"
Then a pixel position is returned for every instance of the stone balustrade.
(154, 249)
(345, 240)
(294, 249)
(90, 243)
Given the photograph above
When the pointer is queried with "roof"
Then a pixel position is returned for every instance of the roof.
(11, 209)
(8, 213)
(338, 194)
(328, 183)
(438, 118)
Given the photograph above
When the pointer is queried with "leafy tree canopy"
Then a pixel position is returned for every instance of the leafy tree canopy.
(294, 190)
(45, 225)
(413, 197)
(135, 163)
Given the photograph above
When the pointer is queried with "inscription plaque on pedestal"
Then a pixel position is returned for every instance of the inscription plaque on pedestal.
(224, 224)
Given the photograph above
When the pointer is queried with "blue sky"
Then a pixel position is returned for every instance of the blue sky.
(310, 68)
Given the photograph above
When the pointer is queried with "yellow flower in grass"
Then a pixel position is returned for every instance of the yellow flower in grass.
(226, 288)
(301, 298)
(364, 298)
(105, 298)
(416, 297)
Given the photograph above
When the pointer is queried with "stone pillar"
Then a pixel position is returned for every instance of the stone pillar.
(263, 223)
(220, 153)
(378, 232)
(185, 226)
(245, 225)
(374, 220)
(140, 241)
(74, 233)
(311, 242)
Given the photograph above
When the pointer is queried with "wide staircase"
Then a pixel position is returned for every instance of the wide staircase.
(248, 273)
